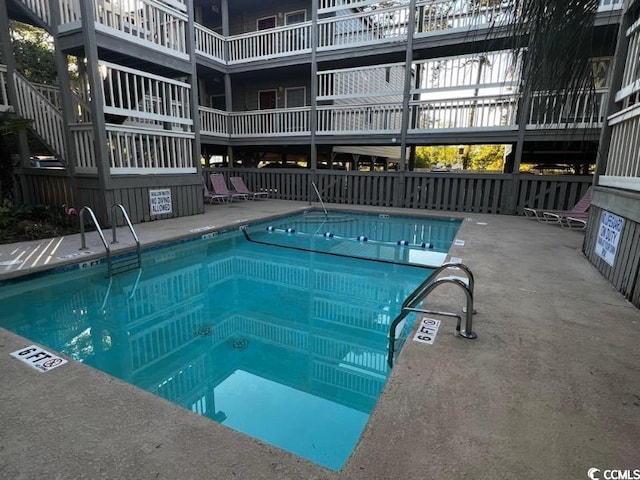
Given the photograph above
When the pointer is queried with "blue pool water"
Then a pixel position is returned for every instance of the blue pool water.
(287, 345)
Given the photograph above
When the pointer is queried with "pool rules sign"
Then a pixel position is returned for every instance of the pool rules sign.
(160, 201)
(608, 236)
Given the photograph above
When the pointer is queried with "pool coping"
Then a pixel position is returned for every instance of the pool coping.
(545, 390)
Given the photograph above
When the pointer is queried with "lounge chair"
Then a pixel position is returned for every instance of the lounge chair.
(209, 195)
(239, 186)
(576, 218)
(219, 187)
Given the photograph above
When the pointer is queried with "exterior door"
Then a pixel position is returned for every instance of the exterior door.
(265, 42)
(266, 99)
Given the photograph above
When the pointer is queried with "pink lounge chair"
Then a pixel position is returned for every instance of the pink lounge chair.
(576, 218)
(239, 186)
(219, 187)
(208, 195)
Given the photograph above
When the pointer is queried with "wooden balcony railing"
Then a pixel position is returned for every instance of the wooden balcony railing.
(40, 8)
(135, 150)
(496, 70)
(385, 80)
(162, 25)
(326, 6)
(554, 110)
(363, 28)
(84, 148)
(213, 122)
(449, 15)
(4, 96)
(147, 20)
(631, 76)
(69, 11)
(51, 93)
(210, 44)
(498, 112)
(463, 113)
(360, 119)
(145, 97)
(288, 40)
(260, 123)
(623, 168)
(47, 119)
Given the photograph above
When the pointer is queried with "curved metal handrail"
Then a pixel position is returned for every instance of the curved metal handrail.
(114, 208)
(83, 240)
(434, 276)
(421, 293)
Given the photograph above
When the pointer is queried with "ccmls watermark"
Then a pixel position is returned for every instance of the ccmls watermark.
(597, 474)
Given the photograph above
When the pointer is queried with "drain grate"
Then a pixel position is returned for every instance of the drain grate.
(239, 343)
(204, 331)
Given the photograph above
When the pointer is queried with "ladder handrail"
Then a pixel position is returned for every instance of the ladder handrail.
(420, 294)
(83, 240)
(433, 277)
(315, 187)
(114, 209)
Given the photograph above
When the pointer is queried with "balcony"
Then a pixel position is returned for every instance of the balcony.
(497, 113)
(161, 26)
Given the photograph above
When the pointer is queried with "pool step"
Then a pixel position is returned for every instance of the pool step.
(124, 264)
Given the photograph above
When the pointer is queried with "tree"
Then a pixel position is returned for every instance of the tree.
(33, 53)
(558, 41)
(9, 125)
(486, 157)
(436, 156)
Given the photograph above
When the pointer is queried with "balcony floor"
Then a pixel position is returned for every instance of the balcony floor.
(550, 388)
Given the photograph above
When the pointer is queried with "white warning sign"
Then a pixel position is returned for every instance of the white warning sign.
(160, 201)
(38, 358)
(609, 234)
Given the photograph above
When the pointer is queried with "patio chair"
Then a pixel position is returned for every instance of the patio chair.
(209, 195)
(576, 218)
(219, 187)
(239, 186)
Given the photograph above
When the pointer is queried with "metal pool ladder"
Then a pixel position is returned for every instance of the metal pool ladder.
(410, 305)
(315, 187)
(125, 264)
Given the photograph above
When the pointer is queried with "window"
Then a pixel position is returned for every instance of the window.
(266, 23)
(295, 97)
(298, 16)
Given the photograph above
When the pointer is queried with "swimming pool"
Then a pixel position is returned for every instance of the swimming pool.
(283, 337)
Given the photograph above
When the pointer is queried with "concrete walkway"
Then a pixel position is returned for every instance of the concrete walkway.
(550, 389)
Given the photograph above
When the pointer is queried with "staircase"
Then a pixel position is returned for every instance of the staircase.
(47, 118)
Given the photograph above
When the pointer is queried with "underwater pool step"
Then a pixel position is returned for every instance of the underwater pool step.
(125, 264)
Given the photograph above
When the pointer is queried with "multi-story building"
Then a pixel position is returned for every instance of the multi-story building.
(330, 84)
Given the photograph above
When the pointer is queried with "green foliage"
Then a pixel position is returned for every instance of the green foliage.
(473, 157)
(33, 53)
(432, 156)
(9, 124)
(32, 222)
(486, 157)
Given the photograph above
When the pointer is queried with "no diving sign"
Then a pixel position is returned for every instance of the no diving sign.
(38, 358)
(427, 331)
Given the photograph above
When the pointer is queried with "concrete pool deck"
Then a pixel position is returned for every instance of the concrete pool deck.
(549, 389)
